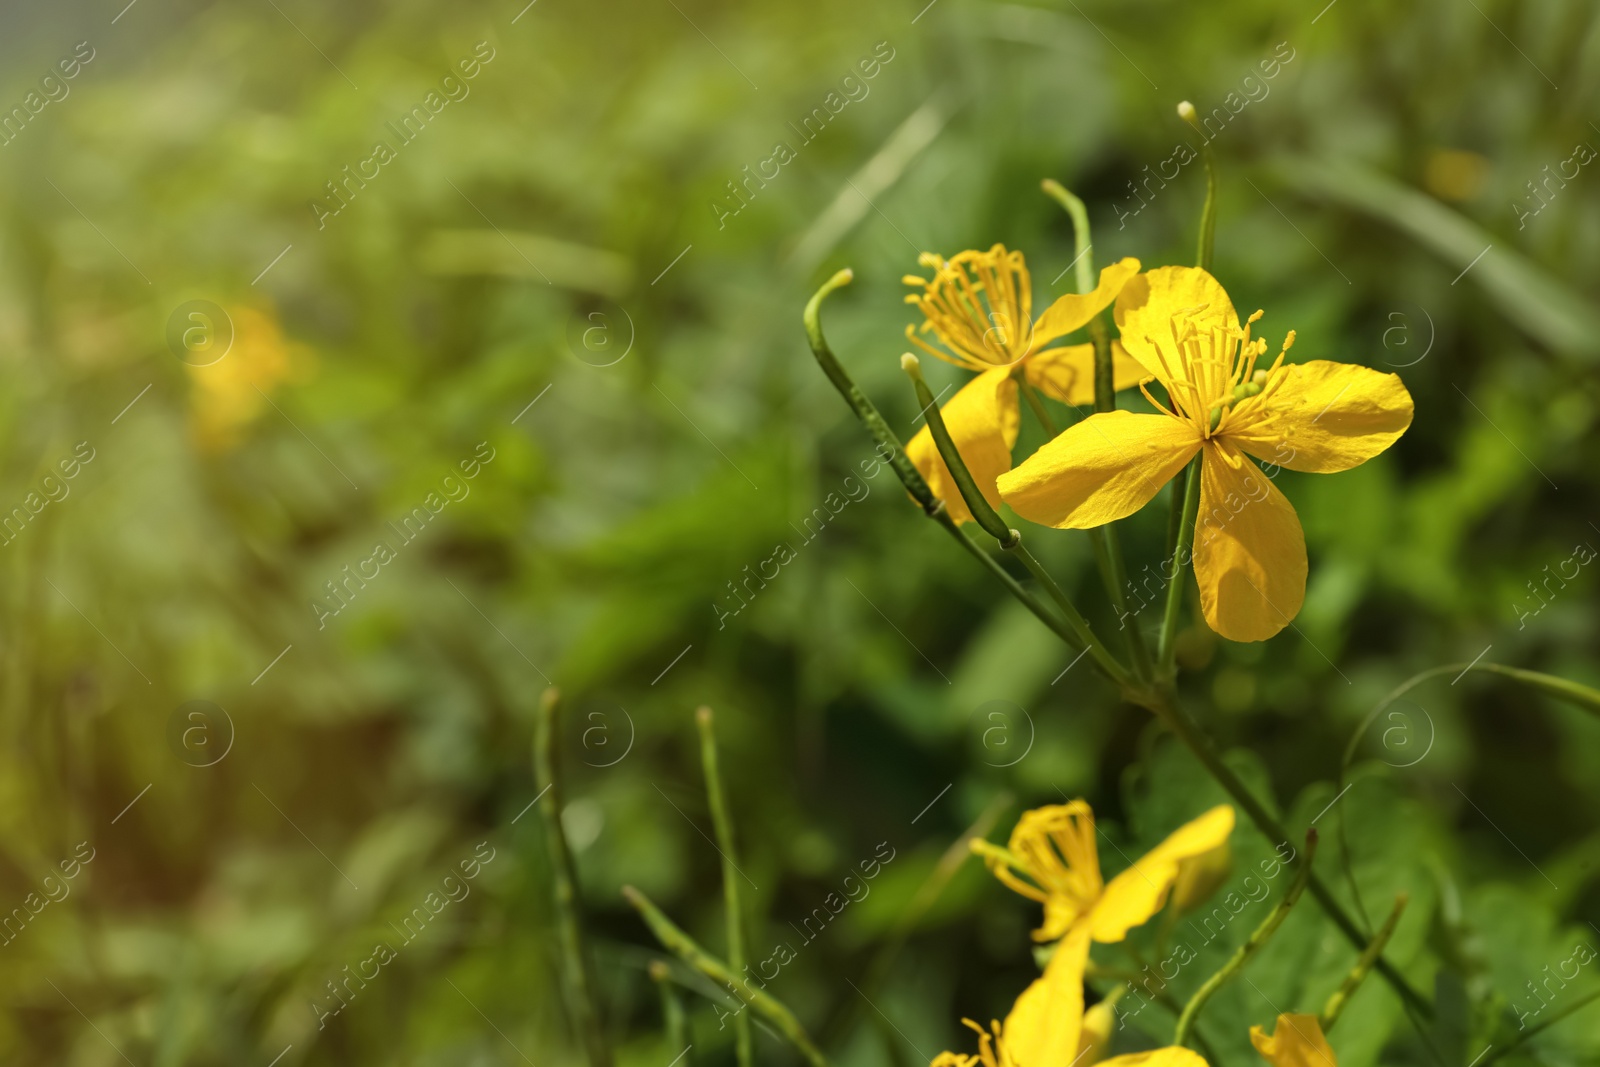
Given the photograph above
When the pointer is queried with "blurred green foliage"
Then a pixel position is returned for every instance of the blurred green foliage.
(544, 271)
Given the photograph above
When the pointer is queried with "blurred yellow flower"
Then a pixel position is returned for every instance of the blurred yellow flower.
(1046, 1026)
(979, 305)
(230, 393)
(1296, 1041)
(1249, 549)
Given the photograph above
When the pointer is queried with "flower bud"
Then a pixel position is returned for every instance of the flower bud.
(1199, 877)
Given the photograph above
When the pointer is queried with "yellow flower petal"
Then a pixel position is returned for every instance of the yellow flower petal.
(1149, 304)
(1161, 1057)
(1074, 310)
(1249, 550)
(1296, 1041)
(1139, 892)
(1046, 1021)
(1102, 469)
(982, 419)
(1328, 417)
(1098, 1023)
(1067, 374)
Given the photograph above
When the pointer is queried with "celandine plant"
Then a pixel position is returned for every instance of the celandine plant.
(1221, 409)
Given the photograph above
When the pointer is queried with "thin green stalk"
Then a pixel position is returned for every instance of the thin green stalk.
(1353, 980)
(722, 821)
(1162, 704)
(907, 472)
(577, 974)
(1010, 540)
(673, 1016)
(1528, 1034)
(1082, 243)
(983, 512)
(909, 476)
(1080, 626)
(1246, 951)
(1208, 214)
(686, 949)
(1165, 998)
(1167, 648)
(1031, 602)
(1037, 405)
(1107, 544)
(1579, 696)
(1101, 539)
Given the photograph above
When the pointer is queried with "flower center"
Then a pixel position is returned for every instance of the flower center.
(978, 304)
(1211, 376)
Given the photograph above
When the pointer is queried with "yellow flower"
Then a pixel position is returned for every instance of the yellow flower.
(1296, 1041)
(228, 395)
(979, 305)
(1045, 1027)
(1320, 417)
(1053, 851)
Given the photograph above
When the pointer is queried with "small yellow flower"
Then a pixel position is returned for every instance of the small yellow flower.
(1052, 859)
(230, 394)
(979, 305)
(1319, 417)
(1296, 1041)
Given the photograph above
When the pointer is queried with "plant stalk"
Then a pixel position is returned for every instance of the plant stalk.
(722, 821)
(1010, 540)
(577, 974)
(672, 1013)
(1167, 649)
(687, 950)
(1242, 956)
(1353, 980)
(906, 471)
(1208, 214)
(1107, 545)
(1162, 704)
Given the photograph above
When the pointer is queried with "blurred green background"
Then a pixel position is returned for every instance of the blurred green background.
(552, 286)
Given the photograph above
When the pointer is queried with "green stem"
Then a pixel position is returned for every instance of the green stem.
(1164, 997)
(984, 515)
(1031, 602)
(1082, 243)
(1162, 704)
(907, 472)
(864, 409)
(1208, 214)
(686, 949)
(1580, 696)
(1107, 545)
(1528, 1034)
(1353, 980)
(1184, 541)
(1258, 938)
(672, 1013)
(1080, 626)
(1037, 405)
(577, 974)
(723, 824)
